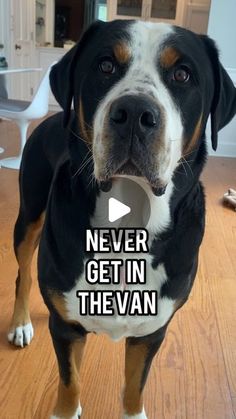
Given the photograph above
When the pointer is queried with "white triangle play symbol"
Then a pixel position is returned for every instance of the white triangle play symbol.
(117, 209)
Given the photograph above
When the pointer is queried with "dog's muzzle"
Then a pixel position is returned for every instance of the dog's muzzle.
(134, 128)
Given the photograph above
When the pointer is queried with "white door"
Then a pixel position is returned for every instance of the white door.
(2, 37)
(4, 28)
(22, 47)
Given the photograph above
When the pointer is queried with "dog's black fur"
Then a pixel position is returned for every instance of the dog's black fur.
(55, 151)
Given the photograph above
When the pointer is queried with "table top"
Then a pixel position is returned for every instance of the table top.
(11, 70)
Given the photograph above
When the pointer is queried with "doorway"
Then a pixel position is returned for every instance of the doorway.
(69, 21)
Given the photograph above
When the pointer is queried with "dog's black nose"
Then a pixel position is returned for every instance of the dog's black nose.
(134, 115)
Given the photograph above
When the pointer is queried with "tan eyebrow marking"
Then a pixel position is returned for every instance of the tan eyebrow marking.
(169, 56)
(122, 52)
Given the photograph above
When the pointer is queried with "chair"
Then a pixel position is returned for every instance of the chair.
(22, 113)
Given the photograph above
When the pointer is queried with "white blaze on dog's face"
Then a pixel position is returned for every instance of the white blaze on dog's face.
(137, 126)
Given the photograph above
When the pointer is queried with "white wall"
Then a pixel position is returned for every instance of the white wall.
(222, 28)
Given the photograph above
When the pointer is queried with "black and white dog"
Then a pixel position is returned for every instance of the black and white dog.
(142, 96)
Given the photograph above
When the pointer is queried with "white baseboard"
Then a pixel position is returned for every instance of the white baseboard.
(54, 108)
(226, 141)
(223, 150)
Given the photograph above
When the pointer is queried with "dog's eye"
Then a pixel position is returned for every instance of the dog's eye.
(107, 65)
(181, 75)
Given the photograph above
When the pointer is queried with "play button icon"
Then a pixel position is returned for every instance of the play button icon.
(125, 206)
(117, 210)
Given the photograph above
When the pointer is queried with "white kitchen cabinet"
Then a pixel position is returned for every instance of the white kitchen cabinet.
(192, 14)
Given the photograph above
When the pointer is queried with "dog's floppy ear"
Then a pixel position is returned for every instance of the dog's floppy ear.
(62, 73)
(224, 100)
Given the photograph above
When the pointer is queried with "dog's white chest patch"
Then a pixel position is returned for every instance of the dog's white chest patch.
(118, 326)
(124, 325)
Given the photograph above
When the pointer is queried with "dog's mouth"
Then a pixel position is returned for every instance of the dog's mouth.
(129, 168)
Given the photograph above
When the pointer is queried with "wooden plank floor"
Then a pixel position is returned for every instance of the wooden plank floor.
(194, 376)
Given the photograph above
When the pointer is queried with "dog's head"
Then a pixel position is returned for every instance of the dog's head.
(142, 94)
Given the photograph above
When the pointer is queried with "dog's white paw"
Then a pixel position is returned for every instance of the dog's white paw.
(141, 415)
(77, 414)
(21, 335)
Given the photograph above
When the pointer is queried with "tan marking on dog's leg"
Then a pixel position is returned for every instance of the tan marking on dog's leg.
(24, 255)
(68, 395)
(59, 304)
(135, 357)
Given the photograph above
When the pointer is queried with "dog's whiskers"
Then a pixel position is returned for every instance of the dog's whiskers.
(80, 138)
(91, 180)
(188, 154)
(186, 174)
(185, 162)
(179, 173)
(89, 126)
(83, 165)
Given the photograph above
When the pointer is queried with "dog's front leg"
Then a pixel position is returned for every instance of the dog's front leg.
(139, 353)
(69, 349)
